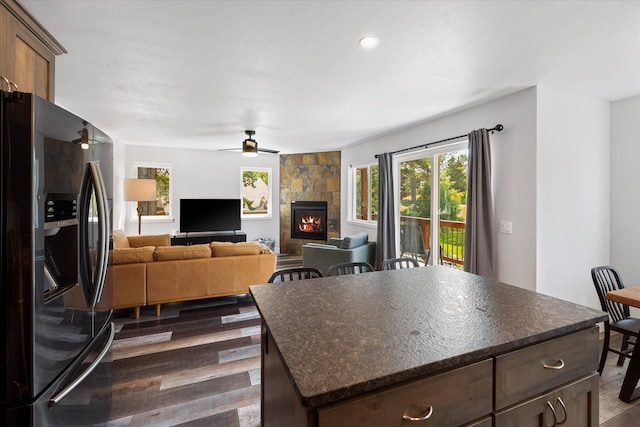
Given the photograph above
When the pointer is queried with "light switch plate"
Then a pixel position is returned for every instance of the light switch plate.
(506, 227)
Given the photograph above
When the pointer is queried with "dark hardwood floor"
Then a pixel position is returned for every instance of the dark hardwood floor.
(199, 365)
(196, 365)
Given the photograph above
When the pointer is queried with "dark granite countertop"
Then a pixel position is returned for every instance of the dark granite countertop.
(343, 336)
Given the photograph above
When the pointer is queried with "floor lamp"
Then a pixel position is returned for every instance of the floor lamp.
(139, 190)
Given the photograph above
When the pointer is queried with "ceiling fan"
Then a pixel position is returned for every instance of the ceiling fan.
(84, 137)
(250, 146)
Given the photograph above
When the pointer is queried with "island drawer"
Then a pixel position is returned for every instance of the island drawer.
(453, 398)
(542, 367)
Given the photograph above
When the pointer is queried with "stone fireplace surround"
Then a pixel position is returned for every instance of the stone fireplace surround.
(308, 177)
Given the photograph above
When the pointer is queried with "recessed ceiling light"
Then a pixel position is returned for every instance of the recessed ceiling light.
(369, 42)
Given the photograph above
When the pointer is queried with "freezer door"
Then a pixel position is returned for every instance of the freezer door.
(81, 397)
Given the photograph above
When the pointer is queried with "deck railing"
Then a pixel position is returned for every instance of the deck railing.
(451, 237)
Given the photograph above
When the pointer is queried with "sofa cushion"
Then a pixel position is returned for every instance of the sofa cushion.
(355, 240)
(168, 253)
(133, 255)
(120, 240)
(220, 249)
(149, 240)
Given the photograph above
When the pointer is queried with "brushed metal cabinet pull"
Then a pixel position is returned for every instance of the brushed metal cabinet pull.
(429, 412)
(564, 408)
(557, 366)
(555, 418)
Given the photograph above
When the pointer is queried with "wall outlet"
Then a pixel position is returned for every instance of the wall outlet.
(506, 227)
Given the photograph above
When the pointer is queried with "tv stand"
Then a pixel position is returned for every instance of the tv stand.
(196, 238)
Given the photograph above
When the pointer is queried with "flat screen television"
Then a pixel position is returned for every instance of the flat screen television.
(209, 215)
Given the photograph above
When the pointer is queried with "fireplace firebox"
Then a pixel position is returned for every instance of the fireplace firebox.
(309, 220)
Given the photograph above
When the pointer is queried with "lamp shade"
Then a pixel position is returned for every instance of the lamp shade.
(139, 190)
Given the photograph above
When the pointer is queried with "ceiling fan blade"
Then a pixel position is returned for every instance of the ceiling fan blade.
(267, 150)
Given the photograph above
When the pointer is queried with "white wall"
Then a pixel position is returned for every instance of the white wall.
(514, 168)
(572, 194)
(625, 189)
(198, 174)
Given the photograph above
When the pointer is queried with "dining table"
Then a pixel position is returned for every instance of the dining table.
(630, 390)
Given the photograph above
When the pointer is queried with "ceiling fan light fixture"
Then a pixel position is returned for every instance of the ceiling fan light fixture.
(84, 137)
(249, 146)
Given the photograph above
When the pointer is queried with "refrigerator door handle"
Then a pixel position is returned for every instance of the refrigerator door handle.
(92, 284)
(69, 388)
(103, 232)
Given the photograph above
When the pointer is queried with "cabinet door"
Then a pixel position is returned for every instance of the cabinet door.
(574, 405)
(580, 402)
(29, 63)
(3, 45)
(280, 405)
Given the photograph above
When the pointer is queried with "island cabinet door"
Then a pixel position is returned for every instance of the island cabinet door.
(453, 398)
(574, 405)
(280, 406)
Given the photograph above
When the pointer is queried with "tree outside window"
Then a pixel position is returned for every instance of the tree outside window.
(256, 192)
(161, 207)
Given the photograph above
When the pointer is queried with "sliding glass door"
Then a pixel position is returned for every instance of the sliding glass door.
(433, 190)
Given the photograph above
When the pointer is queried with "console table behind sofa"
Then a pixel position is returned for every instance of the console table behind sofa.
(213, 236)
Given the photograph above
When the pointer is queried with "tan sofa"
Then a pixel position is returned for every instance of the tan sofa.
(146, 270)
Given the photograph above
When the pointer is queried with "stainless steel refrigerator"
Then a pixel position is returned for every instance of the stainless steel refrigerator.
(57, 186)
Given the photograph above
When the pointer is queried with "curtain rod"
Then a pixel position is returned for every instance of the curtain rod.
(496, 128)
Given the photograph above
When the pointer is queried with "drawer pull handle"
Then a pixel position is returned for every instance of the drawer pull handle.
(559, 365)
(422, 418)
(555, 417)
(564, 408)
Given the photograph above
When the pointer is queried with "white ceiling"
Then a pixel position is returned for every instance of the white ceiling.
(197, 73)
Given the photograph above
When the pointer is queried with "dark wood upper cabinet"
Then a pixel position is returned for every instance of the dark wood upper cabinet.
(28, 51)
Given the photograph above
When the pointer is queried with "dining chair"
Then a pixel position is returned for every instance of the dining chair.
(412, 242)
(398, 263)
(293, 274)
(345, 268)
(605, 279)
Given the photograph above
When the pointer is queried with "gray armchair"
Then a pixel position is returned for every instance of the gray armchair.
(355, 248)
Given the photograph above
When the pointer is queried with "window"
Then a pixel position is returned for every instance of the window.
(161, 208)
(256, 193)
(437, 194)
(365, 193)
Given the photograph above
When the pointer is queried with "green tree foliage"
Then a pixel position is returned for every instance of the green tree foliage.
(163, 178)
(374, 192)
(415, 186)
(249, 178)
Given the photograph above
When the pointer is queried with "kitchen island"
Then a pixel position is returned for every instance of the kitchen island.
(430, 344)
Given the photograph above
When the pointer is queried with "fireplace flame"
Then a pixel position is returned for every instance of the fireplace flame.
(310, 224)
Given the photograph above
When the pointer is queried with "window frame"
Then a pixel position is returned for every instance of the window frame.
(269, 214)
(432, 153)
(133, 213)
(352, 216)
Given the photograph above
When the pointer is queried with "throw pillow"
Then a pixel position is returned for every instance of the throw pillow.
(120, 240)
(355, 240)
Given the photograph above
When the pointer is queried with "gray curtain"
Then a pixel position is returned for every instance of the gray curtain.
(479, 255)
(385, 242)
